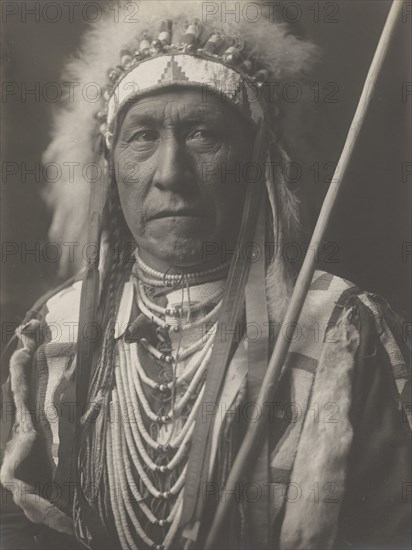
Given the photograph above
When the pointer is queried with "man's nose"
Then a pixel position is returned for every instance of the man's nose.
(172, 171)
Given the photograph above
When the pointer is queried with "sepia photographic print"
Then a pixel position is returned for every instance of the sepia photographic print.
(206, 257)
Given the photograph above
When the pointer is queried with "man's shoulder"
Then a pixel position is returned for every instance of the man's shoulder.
(64, 303)
(58, 312)
(62, 313)
(327, 288)
(329, 283)
(326, 293)
(57, 295)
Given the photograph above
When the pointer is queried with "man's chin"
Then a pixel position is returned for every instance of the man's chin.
(176, 251)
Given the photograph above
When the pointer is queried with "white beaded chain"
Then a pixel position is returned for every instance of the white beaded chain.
(128, 438)
(177, 278)
(144, 304)
(199, 363)
(119, 445)
(184, 399)
(174, 312)
(152, 316)
(184, 354)
(123, 510)
(135, 442)
(117, 505)
(129, 377)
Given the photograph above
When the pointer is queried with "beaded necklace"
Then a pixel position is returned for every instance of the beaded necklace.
(147, 467)
(168, 279)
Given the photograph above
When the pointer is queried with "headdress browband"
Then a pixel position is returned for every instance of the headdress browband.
(159, 63)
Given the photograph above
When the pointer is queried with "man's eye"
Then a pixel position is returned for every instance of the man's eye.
(145, 136)
(203, 135)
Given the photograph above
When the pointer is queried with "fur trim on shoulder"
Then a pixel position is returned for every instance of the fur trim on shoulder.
(36, 508)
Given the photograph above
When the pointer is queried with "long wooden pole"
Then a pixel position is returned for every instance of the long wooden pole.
(253, 436)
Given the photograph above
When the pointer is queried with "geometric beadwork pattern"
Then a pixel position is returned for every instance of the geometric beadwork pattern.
(185, 70)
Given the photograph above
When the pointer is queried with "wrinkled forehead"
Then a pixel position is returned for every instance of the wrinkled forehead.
(176, 106)
(211, 79)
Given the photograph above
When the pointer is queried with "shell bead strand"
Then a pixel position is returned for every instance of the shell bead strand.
(159, 453)
(178, 278)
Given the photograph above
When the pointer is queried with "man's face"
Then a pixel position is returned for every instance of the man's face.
(179, 163)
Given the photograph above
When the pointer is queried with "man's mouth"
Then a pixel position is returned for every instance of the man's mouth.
(181, 213)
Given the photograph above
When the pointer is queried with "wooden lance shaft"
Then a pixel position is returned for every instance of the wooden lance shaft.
(253, 437)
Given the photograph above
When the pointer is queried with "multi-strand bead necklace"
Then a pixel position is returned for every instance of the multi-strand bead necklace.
(138, 457)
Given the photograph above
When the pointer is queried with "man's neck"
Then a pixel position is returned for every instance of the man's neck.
(167, 267)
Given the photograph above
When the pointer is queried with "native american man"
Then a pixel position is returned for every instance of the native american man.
(183, 325)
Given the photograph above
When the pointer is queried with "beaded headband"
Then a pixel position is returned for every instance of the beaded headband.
(160, 64)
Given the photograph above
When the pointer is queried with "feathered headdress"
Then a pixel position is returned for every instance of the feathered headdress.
(221, 45)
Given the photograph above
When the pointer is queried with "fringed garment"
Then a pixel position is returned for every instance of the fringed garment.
(338, 434)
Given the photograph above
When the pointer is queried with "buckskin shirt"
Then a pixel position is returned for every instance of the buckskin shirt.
(338, 431)
(134, 384)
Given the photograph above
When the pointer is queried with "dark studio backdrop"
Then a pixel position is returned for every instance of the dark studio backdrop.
(371, 228)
